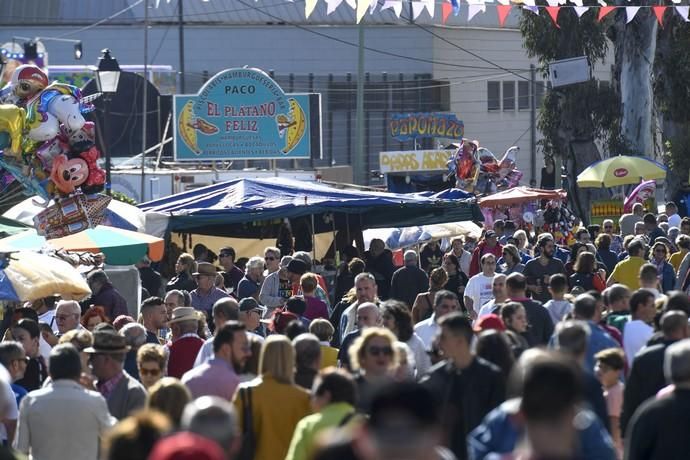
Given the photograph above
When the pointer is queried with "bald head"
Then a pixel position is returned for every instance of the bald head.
(368, 315)
(674, 325)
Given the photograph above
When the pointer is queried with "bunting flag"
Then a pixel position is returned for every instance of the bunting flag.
(580, 10)
(630, 12)
(553, 3)
(361, 10)
(603, 11)
(473, 9)
(331, 5)
(659, 13)
(683, 12)
(421, 5)
(503, 11)
(534, 9)
(553, 12)
(446, 8)
(395, 5)
(456, 7)
(309, 6)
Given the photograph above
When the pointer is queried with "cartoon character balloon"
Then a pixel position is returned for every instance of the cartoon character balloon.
(640, 194)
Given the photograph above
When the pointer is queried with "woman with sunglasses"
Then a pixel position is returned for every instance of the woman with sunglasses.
(396, 318)
(664, 270)
(183, 279)
(512, 262)
(374, 357)
(151, 363)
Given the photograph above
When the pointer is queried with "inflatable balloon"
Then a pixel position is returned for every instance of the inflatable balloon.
(640, 194)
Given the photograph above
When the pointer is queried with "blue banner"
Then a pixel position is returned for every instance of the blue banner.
(242, 114)
(408, 126)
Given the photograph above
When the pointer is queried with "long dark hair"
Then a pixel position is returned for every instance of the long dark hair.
(493, 346)
(402, 317)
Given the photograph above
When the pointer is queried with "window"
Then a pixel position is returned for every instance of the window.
(508, 95)
(493, 89)
(523, 95)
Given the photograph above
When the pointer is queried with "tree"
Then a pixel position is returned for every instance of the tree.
(573, 118)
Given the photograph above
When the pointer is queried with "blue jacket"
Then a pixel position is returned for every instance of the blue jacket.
(500, 431)
(668, 278)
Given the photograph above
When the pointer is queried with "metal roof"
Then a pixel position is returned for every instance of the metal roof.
(230, 12)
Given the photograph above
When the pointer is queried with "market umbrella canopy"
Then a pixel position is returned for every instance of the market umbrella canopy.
(518, 195)
(11, 227)
(620, 170)
(120, 247)
(30, 276)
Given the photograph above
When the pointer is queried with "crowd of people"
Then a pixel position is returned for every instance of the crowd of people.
(510, 346)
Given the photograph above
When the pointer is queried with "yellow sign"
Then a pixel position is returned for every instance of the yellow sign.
(414, 160)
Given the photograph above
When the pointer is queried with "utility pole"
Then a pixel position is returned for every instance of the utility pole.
(180, 33)
(145, 105)
(533, 121)
(358, 174)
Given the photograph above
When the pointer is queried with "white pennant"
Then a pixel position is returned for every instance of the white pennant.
(683, 12)
(630, 12)
(580, 10)
(675, 1)
(532, 8)
(331, 5)
(529, 3)
(395, 5)
(553, 2)
(504, 2)
(472, 10)
(578, 2)
(419, 5)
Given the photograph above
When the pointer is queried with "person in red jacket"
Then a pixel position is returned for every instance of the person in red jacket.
(489, 245)
(185, 341)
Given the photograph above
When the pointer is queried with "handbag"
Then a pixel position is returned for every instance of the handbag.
(248, 439)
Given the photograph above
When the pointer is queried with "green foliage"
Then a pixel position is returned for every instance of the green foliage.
(577, 112)
(676, 154)
(672, 69)
(119, 196)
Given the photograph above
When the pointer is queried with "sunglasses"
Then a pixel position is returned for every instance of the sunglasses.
(151, 372)
(378, 351)
(660, 251)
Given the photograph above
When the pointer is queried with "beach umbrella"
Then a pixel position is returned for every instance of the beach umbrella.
(120, 247)
(29, 276)
(620, 170)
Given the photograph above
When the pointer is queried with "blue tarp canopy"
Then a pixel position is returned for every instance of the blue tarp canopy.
(209, 210)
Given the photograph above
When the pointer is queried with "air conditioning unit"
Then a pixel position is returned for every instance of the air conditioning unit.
(570, 71)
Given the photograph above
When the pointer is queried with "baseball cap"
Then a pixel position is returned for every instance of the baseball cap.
(249, 304)
(297, 266)
(487, 322)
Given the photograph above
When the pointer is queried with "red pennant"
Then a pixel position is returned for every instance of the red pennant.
(446, 8)
(659, 13)
(553, 12)
(604, 10)
(503, 11)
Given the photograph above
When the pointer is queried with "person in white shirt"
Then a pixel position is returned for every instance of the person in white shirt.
(498, 288)
(458, 250)
(638, 331)
(49, 427)
(444, 303)
(479, 289)
(672, 213)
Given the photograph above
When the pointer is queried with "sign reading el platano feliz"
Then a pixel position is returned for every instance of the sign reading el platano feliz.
(242, 114)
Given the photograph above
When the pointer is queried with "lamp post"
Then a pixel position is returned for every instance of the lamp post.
(107, 78)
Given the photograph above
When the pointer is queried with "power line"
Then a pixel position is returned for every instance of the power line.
(97, 23)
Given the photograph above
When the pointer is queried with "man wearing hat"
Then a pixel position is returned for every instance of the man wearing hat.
(107, 356)
(488, 245)
(185, 341)
(250, 314)
(206, 293)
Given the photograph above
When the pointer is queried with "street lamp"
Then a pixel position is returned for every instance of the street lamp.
(107, 78)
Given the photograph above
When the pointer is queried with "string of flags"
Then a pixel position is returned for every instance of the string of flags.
(503, 8)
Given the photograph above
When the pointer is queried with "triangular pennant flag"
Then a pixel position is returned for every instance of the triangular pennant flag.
(446, 9)
(372, 6)
(430, 7)
(331, 5)
(683, 12)
(309, 6)
(534, 9)
(603, 11)
(361, 10)
(528, 3)
(552, 2)
(578, 2)
(553, 12)
(472, 10)
(503, 2)
(659, 13)
(417, 8)
(580, 10)
(503, 11)
(395, 5)
(456, 7)
(351, 3)
(630, 12)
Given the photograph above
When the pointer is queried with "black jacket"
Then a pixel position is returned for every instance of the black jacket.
(540, 327)
(407, 283)
(660, 429)
(463, 398)
(645, 380)
(382, 268)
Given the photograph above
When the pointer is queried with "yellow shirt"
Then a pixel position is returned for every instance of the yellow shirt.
(628, 272)
(676, 259)
(276, 410)
(329, 356)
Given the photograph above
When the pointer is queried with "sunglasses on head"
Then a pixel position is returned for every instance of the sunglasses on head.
(378, 351)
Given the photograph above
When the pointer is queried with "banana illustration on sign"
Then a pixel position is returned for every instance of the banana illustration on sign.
(186, 128)
(294, 125)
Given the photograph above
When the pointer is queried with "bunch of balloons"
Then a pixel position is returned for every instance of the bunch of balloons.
(477, 170)
(51, 151)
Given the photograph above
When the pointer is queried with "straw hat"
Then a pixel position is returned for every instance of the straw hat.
(108, 342)
(205, 268)
(183, 314)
